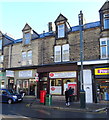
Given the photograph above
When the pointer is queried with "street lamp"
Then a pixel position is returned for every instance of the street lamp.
(82, 92)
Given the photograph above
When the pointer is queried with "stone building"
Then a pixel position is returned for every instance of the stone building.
(5, 39)
(51, 61)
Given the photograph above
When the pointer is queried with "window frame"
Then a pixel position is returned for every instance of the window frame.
(61, 30)
(104, 46)
(1, 44)
(65, 56)
(106, 21)
(29, 57)
(26, 59)
(57, 57)
(27, 38)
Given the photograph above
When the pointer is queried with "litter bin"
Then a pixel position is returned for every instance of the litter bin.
(48, 100)
(42, 96)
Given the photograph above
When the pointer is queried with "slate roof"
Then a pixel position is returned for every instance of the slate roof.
(73, 29)
(105, 6)
(8, 37)
(61, 18)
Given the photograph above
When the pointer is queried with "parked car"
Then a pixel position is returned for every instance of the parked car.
(9, 96)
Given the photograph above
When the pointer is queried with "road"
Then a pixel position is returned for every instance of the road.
(23, 111)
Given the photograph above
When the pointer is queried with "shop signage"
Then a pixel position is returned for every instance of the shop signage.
(102, 71)
(9, 73)
(25, 74)
(62, 74)
(55, 90)
(74, 86)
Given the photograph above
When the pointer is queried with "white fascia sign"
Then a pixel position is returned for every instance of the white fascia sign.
(62, 74)
(9, 73)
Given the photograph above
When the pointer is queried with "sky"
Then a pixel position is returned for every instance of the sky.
(14, 14)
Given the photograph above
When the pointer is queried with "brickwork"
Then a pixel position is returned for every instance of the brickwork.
(43, 48)
(6, 56)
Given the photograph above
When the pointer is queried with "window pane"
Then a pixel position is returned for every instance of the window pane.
(0, 44)
(65, 52)
(27, 38)
(1, 58)
(103, 50)
(108, 51)
(29, 57)
(103, 42)
(23, 55)
(57, 53)
(106, 23)
(61, 31)
(108, 42)
(29, 54)
(23, 58)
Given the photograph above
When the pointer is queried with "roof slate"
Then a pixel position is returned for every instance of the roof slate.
(75, 28)
(105, 6)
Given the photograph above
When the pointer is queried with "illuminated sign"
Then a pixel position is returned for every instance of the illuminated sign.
(102, 71)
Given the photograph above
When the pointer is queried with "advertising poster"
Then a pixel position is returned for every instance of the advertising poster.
(74, 86)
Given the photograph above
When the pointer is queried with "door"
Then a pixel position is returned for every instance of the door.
(43, 85)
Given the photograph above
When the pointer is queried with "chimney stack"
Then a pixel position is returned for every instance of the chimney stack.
(50, 26)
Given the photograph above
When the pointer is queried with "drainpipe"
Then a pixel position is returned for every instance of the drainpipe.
(10, 56)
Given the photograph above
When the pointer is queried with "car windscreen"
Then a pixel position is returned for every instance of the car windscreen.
(11, 92)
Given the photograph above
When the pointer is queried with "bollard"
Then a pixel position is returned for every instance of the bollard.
(48, 100)
(82, 99)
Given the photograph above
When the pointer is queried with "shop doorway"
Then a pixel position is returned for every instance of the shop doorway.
(10, 83)
(102, 89)
(43, 85)
(23, 85)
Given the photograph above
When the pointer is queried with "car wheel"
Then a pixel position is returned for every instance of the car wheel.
(9, 101)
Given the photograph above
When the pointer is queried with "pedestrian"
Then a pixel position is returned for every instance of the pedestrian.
(67, 97)
(70, 92)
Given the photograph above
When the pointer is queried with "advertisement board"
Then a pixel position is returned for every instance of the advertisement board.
(55, 90)
(73, 85)
(102, 71)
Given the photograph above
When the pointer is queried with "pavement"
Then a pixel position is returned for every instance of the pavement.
(58, 102)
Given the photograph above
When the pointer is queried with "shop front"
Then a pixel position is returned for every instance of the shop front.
(59, 81)
(10, 79)
(26, 82)
(2, 79)
(55, 79)
(102, 83)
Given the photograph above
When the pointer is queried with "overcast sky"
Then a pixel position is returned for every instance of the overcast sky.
(37, 13)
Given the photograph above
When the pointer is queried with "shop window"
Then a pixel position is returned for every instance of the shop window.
(25, 84)
(56, 82)
(52, 82)
(104, 48)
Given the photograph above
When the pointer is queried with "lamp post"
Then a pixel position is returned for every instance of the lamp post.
(82, 92)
